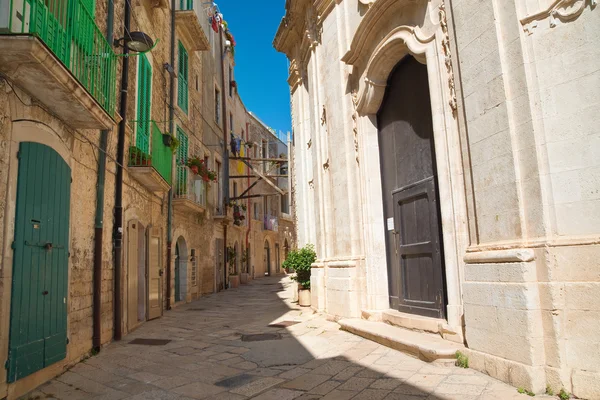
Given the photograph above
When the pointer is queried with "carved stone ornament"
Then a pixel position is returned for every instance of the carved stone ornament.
(355, 123)
(399, 42)
(326, 165)
(448, 58)
(324, 116)
(367, 2)
(311, 184)
(559, 11)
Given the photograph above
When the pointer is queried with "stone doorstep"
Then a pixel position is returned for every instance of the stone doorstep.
(409, 321)
(427, 347)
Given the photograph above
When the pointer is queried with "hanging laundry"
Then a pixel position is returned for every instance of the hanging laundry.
(214, 24)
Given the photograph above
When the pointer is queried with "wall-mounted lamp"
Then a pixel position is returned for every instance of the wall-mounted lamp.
(138, 42)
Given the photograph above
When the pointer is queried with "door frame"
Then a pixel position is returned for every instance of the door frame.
(425, 46)
(25, 131)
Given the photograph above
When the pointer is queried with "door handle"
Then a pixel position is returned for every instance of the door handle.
(45, 292)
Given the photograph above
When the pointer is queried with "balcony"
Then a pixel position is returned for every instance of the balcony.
(151, 163)
(271, 223)
(191, 23)
(190, 191)
(53, 50)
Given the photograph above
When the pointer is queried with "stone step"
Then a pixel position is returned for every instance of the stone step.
(425, 346)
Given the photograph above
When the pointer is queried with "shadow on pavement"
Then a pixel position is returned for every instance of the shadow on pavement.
(255, 342)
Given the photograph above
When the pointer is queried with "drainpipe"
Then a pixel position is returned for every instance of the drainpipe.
(118, 228)
(98, 231)
(172, 131)
(225, 155)
(248, 206)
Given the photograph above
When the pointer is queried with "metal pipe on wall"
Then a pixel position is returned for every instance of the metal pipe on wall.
(118, 225)
(172, 131)
(225, 155)
(99, 220)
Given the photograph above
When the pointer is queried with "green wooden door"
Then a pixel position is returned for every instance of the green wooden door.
(38, 317)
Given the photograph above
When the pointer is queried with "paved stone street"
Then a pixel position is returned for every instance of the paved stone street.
(211, 354)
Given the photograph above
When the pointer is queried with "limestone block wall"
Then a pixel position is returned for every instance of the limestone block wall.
(529, 86)
(21, 120)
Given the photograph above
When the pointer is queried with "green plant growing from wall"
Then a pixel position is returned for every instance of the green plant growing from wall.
(301, 261)
(563, 395)
(462, 360)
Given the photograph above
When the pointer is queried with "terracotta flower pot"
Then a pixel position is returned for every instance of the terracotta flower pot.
(244, 278)
(194, 169)
(234, 281)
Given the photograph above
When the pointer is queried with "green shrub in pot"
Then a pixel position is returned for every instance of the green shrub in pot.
(300, 261)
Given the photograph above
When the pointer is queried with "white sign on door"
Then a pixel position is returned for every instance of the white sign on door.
(390, 224)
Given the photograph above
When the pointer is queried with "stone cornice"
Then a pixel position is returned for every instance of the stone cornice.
(559, 10)
(369, 25)
(323, 7)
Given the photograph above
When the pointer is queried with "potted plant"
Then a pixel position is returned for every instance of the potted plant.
(244, 260)
(301, 261)
(198, 167)
(137, 158)
(174, 144)
(234, 279)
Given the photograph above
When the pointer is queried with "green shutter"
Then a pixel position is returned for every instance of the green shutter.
(182, 79)
(142, 140)
(182, 157)
(90, 6)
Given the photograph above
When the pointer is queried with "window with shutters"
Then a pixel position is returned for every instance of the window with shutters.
(182, 157)
(186, 4)
(217, 106)
(182, 78)
(142, 134)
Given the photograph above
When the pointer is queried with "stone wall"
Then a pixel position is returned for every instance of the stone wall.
(513, 86)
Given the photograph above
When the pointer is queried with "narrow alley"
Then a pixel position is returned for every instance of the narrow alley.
(209, 349)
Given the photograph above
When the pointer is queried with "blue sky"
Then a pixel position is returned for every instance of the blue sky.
(260, 71)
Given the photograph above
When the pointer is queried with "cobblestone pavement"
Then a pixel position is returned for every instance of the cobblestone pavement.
(212, 355)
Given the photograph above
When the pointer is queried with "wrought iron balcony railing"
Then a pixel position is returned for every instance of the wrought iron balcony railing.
(150, 150)
(271, 223)
(190, 186)
(68, 29)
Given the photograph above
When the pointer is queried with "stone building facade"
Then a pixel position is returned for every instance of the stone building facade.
(455, 144)
(53, 106)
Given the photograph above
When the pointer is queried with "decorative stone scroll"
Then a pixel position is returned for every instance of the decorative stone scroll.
(448, 58)
(559, 11)
(355, 123)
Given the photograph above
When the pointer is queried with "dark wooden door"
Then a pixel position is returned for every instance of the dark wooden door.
(410, 196)
(38, 318)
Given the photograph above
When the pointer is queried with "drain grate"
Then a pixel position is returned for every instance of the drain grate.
(236, 381)
(261, 337)
(150, 342)
(196, 309)
(283, 324)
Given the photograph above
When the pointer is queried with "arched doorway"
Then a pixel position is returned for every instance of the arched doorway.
(136, 273)
(277, 259)
(236, 249)
(267, 258)
(181, 259)
(410, 193)
(286, 251)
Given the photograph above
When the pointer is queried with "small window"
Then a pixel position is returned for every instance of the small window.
(217, 106)
(182, 79)
(230, 82)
